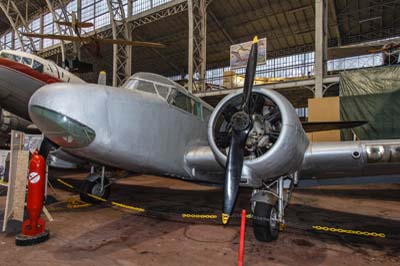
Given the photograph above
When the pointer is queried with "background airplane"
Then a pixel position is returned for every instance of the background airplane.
(21, 74)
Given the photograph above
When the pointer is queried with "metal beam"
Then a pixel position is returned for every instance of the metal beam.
(162, 11)
(321, 47)
(276, 86)
(18, 22)
(68, 50)
(221, 28)
(197, 16)
(122, 54)
(332, 8)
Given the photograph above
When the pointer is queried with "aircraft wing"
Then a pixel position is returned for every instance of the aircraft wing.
(58, 37)
(330, 125)
(92, 39)
(77, 24)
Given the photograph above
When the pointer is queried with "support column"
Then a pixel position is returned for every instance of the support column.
(321, 41)
(197, 15)
(122, 54)
(67, 50)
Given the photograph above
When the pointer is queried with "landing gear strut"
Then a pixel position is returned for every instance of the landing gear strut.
(96, 184)
(268, 205)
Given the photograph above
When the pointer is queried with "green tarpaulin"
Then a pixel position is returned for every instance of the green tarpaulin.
(372, 95)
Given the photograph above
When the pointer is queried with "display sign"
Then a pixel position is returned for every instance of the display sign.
(3, 163)
(239, 53)
(32, 142)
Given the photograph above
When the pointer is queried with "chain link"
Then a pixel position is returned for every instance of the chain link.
(209, 218)
(346, 231)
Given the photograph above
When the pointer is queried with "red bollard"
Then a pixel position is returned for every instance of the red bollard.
(34, 228)
(241, 243)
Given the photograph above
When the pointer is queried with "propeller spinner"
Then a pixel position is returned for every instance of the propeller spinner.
(242, 124)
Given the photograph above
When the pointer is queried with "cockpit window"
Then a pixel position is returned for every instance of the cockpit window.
(145, 86)
(26, 61)
(11, 57)
(162, 91)
(182, 101)
(206, 114)
(196, 108)
(141, 85)
(62, 129)
(37, 66)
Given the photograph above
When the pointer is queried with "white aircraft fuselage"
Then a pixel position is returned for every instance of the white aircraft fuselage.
(21, 74)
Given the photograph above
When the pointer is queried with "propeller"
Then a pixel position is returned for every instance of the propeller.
(242, 123)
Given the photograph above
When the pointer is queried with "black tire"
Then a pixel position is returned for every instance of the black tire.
(265, 230)
(88, 188)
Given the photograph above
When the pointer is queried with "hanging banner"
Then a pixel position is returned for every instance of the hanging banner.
(239, 53)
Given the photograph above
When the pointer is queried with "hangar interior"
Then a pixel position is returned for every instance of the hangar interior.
(313, 98)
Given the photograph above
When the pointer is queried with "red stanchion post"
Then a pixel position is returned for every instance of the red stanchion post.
(34, 228)
(242, 233)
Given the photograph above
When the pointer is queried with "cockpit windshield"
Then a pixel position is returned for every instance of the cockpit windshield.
(147, 86)
(141, 85)
(11, 57)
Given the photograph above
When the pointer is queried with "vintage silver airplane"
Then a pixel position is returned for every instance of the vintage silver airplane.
(253, 138)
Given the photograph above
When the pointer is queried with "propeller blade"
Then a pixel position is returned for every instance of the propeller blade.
(132, 43)
(241, 125)
(249, 77)
(233, 172)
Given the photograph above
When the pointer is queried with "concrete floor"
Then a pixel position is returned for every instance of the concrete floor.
(100, 235)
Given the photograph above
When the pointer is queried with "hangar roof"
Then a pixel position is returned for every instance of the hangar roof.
(27, 7)
(288, 25)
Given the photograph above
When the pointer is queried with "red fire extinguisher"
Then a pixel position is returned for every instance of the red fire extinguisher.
(34, 228)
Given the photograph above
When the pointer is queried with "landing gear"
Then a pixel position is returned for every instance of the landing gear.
(96, 185)
(268, 205)
(265, 222)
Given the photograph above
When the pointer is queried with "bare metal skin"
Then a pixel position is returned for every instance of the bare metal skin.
(144, 132)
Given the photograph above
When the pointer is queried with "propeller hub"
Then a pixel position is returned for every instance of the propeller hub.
(240, 121)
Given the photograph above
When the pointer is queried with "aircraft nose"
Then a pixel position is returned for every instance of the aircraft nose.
(61, 112)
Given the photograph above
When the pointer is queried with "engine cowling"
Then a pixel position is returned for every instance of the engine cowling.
(276, 144)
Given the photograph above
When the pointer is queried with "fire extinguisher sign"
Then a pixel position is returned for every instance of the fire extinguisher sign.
(34, 177)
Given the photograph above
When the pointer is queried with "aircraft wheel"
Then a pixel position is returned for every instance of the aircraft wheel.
(265, 230)
(94, 188)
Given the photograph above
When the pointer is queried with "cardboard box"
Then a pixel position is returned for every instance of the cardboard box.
(324, 109)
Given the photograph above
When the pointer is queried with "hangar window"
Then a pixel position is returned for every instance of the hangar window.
(162, 91)
(37, 66)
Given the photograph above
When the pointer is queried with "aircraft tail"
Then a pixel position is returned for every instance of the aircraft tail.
(102, 78)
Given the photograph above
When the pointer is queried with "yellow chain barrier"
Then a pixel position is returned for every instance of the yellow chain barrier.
(132, 208)
(76, 204)
(199, 216)
(79, 204)
(346, 231)
(65, 183)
